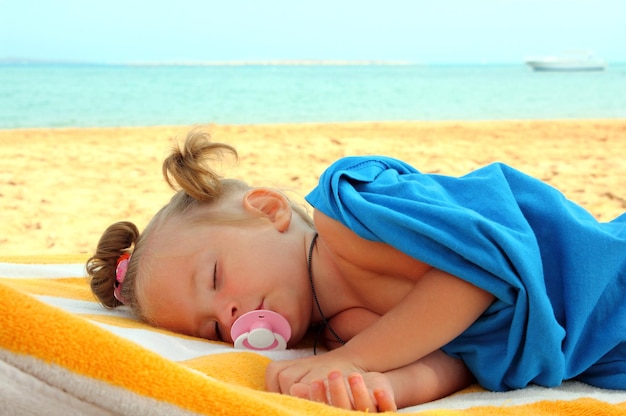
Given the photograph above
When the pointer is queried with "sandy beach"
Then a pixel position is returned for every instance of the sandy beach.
(60, 188)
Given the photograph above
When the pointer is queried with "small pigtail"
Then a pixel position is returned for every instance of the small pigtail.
(115, 245)
(187, 168)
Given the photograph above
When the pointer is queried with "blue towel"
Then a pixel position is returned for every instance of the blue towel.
(558, 275)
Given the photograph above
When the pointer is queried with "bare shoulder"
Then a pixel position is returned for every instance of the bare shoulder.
(376, 257)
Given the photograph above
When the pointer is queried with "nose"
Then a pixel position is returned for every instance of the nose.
(227, 313)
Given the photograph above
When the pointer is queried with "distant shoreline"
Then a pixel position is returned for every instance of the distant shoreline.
(312, 62)
(305, 62)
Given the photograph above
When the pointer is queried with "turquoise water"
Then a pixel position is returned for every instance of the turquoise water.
(92, 95)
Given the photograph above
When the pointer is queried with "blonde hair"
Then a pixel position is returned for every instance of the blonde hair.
(187, 171)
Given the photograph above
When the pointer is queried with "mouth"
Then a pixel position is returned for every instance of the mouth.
(258, 308)
(261, 329)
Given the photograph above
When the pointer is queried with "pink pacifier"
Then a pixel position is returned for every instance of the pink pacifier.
(261, 330)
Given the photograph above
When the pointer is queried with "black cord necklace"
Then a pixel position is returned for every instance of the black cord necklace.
(317, 303)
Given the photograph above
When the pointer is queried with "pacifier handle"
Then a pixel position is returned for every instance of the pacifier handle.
(261, 330)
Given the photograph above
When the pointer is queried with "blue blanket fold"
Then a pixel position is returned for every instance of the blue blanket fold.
(559, 275)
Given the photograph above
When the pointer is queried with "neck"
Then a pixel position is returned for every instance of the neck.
(315, 295)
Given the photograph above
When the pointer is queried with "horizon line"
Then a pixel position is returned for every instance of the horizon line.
(268, 62)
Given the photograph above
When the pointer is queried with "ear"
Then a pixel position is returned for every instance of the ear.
(270, 204)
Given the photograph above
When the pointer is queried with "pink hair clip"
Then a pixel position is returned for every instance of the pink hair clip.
(120, 274)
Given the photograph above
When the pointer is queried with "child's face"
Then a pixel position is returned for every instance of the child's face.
(193, 277)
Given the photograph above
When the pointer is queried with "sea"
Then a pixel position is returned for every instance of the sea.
(79, 95)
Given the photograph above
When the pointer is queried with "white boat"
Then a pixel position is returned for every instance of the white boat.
(571, 62)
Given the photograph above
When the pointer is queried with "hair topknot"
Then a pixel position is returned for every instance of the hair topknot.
(187, 168)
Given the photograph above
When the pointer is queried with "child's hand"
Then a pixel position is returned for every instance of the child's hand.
(280, 376)
(370, 392)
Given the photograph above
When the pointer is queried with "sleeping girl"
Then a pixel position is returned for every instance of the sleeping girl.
(421, 284)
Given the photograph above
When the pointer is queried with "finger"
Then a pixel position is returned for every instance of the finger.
(317, 391)
(360, 394)
(385, 401)
(339, 396)
(281, 375)
(301, 390)
(271, 377)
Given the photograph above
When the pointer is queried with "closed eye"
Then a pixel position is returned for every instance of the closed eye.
(218, 334)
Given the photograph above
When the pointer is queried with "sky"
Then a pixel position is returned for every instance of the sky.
(414, 31)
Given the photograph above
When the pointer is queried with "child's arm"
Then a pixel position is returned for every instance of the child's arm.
(438, 308)
(435, 376)
(435, 311)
